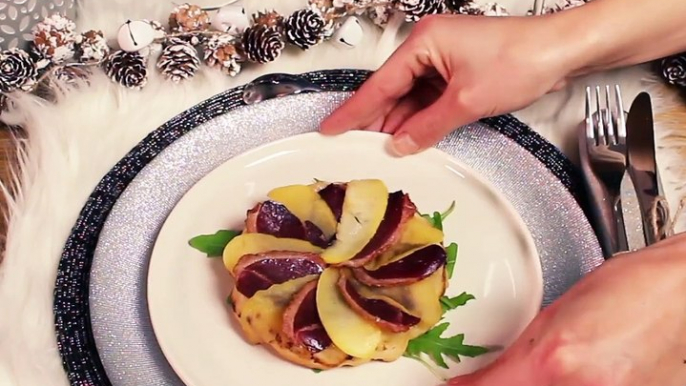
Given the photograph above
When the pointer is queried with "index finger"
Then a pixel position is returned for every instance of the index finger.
(377, 96)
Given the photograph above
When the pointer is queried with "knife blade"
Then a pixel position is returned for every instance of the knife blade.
(642, 168)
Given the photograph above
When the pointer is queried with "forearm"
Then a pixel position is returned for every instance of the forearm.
(605, 34)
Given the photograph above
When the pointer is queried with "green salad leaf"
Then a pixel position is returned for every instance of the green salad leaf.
(450, 303)
(436, 218)
(213, 245)
(451, 259)
(438, 348)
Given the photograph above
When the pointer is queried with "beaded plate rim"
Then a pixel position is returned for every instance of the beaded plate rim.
(74, 334)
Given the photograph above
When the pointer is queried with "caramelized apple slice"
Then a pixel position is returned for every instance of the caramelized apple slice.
(257, 272)
(408, 268)
(260, 316)
(385, 313)
(301, 322)
(254, 243)
(421, 299)
(304, 202)
(334, 195)
(349, 331)
(363, 210)
(416, 233)
(273, 218)
(399, 210)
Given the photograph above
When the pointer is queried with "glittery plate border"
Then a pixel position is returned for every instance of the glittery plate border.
(72, 318)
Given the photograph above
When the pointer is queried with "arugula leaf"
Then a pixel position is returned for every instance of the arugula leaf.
(437, 347)
(229, 302)
(460, 300)
(436, 219)
(451, 259)
(213, 245)
(316, 371)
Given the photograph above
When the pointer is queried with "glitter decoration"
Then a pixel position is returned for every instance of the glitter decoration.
(54, 38)
(106, 335)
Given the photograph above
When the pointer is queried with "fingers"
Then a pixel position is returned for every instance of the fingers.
(430, 125)
(380, 93)
(423, 95)
(513, 371)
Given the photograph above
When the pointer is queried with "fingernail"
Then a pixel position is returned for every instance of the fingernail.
(403, 144)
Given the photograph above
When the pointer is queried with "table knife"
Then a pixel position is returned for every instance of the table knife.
(642, 168)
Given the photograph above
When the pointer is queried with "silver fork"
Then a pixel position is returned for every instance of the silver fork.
(604, 145)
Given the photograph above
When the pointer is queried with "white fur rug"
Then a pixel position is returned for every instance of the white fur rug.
(74, 142)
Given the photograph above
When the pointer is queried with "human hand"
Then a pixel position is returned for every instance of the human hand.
(622, 325)
(453, 70)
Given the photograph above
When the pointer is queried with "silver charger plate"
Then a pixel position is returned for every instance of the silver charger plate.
(525, 173)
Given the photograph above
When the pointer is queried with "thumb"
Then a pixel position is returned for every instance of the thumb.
(507, 370)
(428, 126)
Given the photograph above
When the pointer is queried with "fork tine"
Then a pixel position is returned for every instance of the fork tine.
(609, 118)
(600, 132)
(621, 119)
(590, 133)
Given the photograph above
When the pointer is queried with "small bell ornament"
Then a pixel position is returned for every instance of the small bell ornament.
(134, 36)
(349, 34)
(231, 19)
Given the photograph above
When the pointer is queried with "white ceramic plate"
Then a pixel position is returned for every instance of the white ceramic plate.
(498, 261)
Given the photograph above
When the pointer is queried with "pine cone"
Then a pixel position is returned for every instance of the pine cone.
(490, 9)
(455, 5)
(17, 70)
(674, 70)
(92, 47)
(221, 52)
(71, 74)
(262, 44)
(416, 9)
(188, 18)
(127, 68)
(380, 14)
(305, 28)
(179, 60)
(268, 19)
(54, 38)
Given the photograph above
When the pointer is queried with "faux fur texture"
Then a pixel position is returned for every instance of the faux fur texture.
(72, 143)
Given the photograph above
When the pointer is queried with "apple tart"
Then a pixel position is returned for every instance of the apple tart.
(336, 274)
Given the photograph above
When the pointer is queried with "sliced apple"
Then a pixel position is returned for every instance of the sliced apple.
(421, 299)
(416, 233)
(349, 331)
(364, 208)
(304, 202)
(254, 243)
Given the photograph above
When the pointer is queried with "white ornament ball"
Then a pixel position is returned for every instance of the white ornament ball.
(231, 19)
(135, 35)
(349, 34)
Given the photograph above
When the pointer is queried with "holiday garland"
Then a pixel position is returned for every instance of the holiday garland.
(224, 38)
